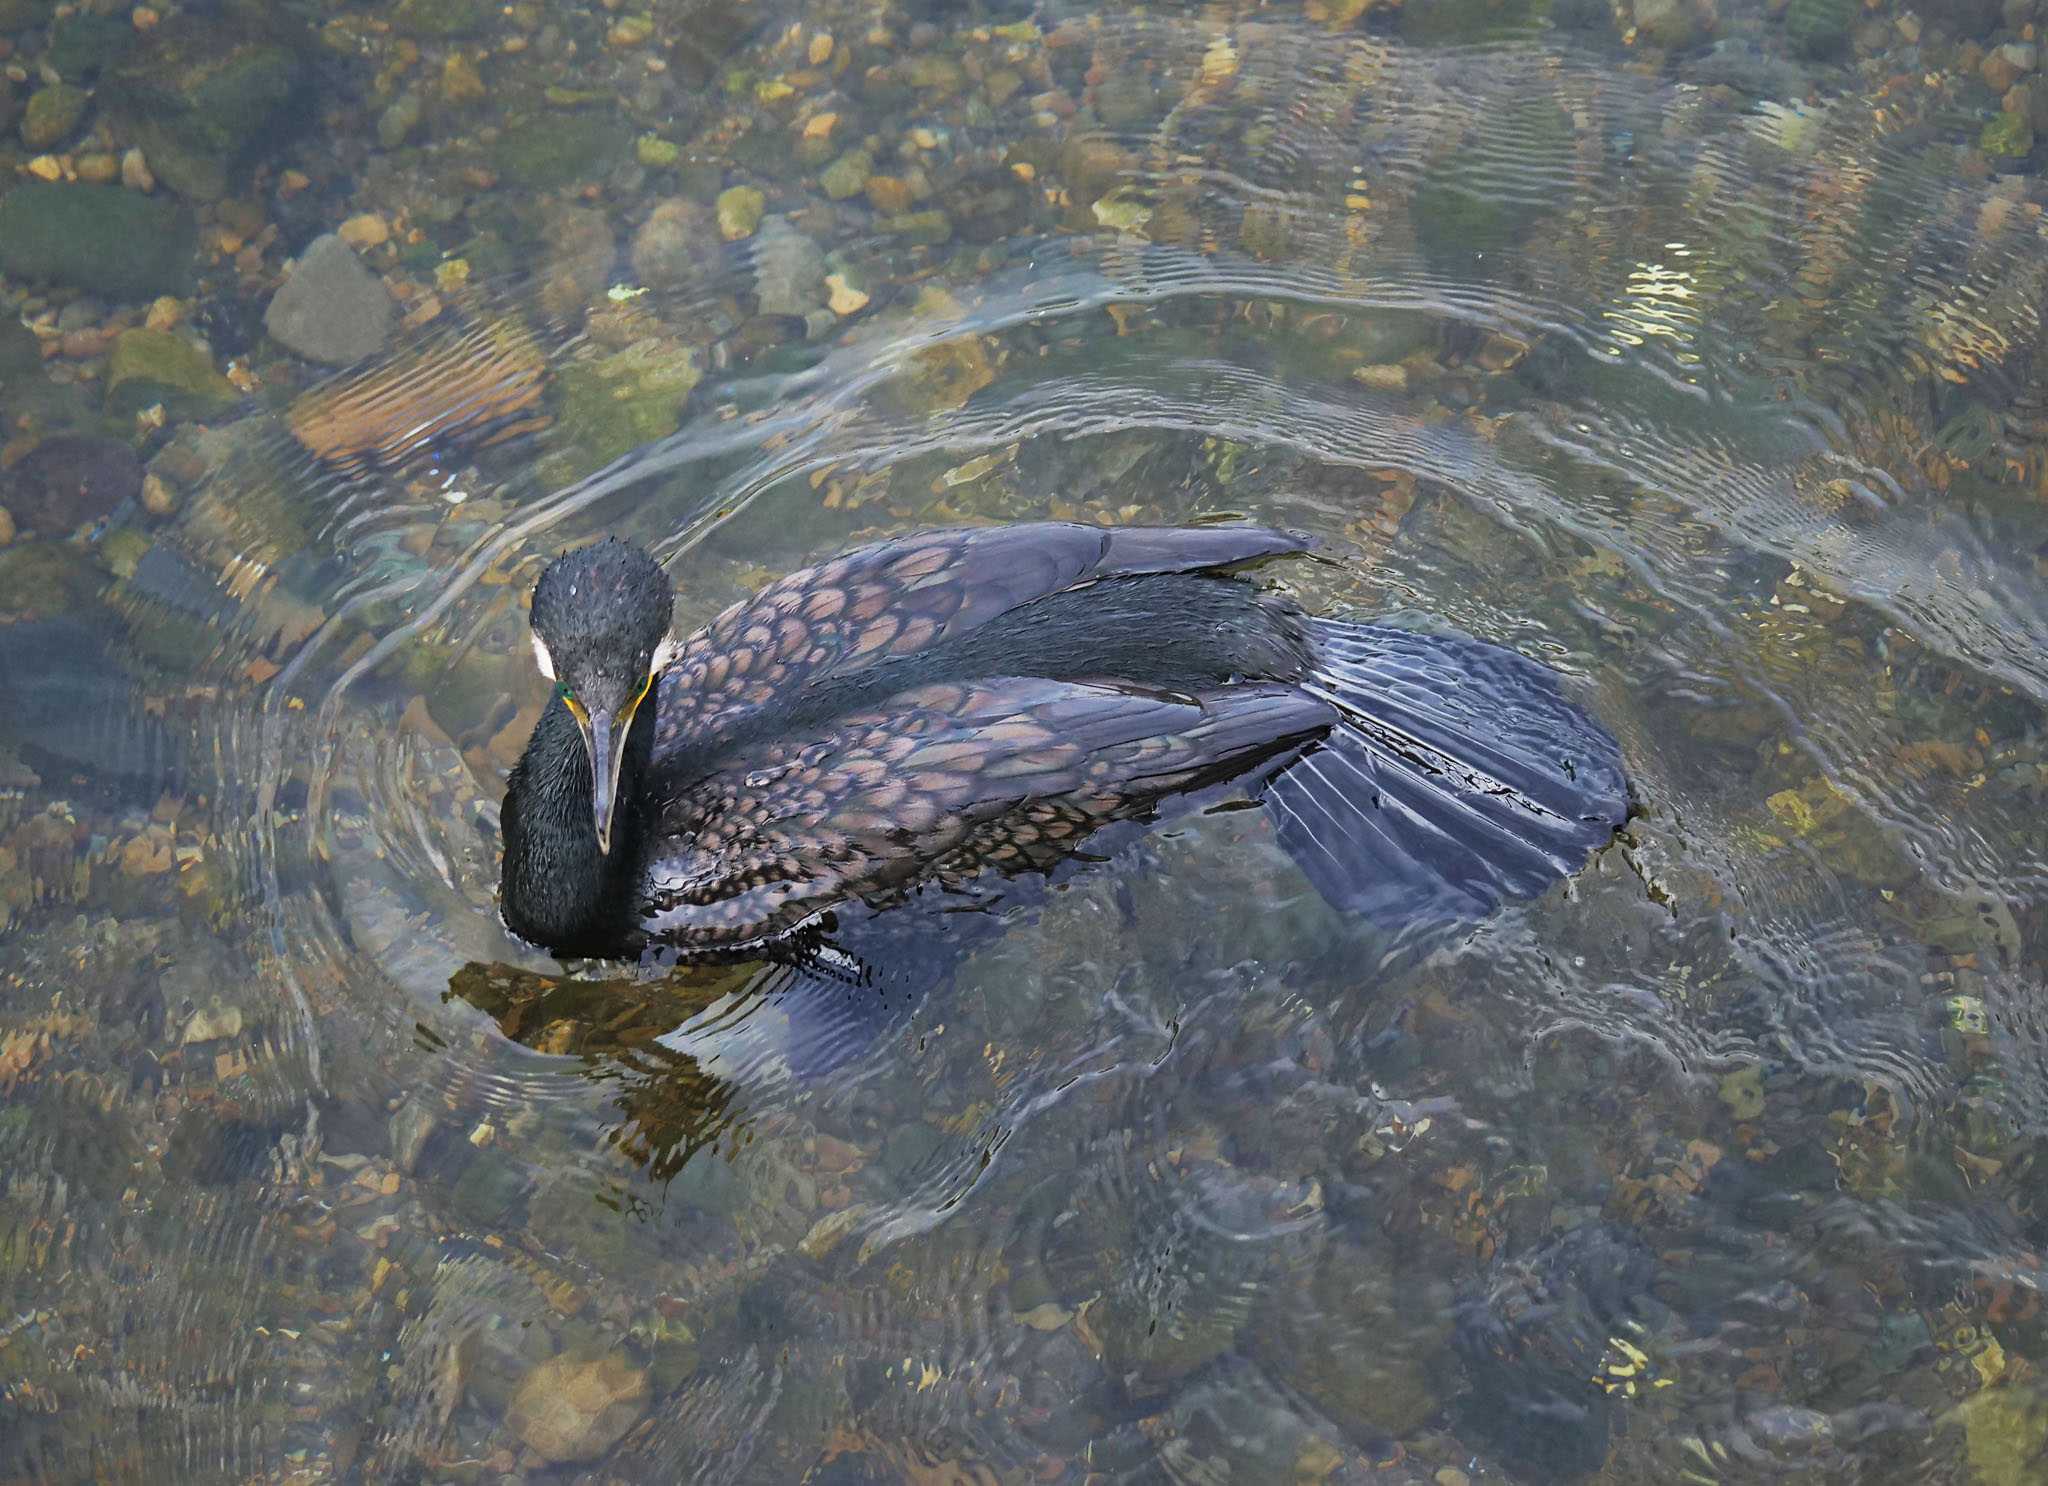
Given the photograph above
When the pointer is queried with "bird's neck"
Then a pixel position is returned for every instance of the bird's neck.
(558, 890)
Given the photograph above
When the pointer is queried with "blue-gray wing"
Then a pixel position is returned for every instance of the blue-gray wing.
(898, 597)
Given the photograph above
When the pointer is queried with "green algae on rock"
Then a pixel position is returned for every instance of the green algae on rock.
(1820, 28)
(160, 366)
(927, 227)
(656, 153)
(1438, 21)
(52, 114)
(214, 90)
(739, 211)
(2006, 136)
(98, 238)
(85, 43)
(2006, 1429)
(612, 405)
(845, 177)
(554, 149)
(399, 119)
(192, 174)
(1674, 23)
(439, 19)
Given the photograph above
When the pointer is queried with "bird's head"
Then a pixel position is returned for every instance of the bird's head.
(600, 634)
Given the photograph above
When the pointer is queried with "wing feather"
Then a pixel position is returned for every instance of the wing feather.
(943, 781)
(898, 597)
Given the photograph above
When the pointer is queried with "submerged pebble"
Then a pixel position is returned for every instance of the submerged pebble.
(573, 1408)
(789, 269)
(739, 211)
(70, 481)
(672, 243)
(330, 308)
(98, 238)
(52, 114)
(135, 172)
(1130, 1325)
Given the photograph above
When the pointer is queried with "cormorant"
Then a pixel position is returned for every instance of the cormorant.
(938, 706)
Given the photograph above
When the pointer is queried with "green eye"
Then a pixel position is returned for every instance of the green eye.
(562, 691)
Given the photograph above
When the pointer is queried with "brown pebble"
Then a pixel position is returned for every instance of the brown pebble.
(180, 464)
(157, 496)
(147, 855)
(631, 32)
(367, 230)
(889, 193)
(98, 168)
(460, 80)
(838, 1157)
(83, 345)
(6, 527)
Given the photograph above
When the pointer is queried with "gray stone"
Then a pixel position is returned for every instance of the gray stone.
(1672, 23)
(399, 120)
(789, 269)
(412, 1126)
(673, 244)
(580, 250)
(80, 314)
(331, 308)
(53, 113)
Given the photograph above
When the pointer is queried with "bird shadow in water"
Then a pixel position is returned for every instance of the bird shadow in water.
(697, 1050)
(694, 1047)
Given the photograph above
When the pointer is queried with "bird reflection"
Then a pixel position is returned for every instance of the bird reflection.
(672, 1105)
(693, 1048)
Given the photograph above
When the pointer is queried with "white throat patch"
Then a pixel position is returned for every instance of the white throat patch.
(542, 659)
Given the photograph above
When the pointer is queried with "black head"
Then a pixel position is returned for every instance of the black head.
(600, 633)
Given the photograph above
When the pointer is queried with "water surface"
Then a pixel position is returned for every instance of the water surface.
(1695, 357)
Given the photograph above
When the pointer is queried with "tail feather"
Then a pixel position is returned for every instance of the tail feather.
(1458, 778)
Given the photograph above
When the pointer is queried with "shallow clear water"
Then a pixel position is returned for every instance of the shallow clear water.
(1708, 375)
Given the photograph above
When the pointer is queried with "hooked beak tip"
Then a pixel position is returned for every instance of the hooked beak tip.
(604, 735)
(606, 744)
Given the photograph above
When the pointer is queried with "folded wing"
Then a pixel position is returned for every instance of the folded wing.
(945, 782)
(898, 597)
